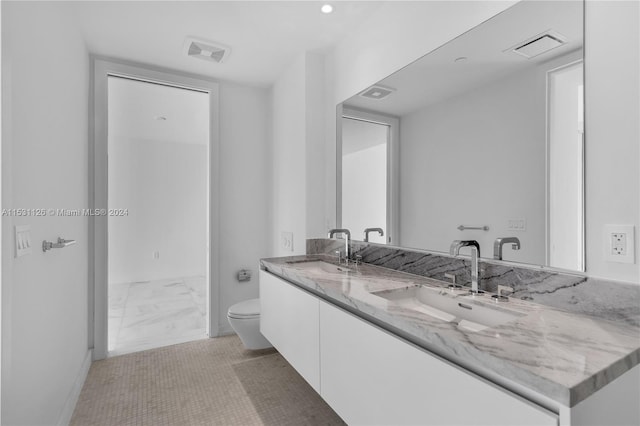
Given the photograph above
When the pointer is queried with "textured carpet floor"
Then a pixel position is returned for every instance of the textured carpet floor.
(206, 382)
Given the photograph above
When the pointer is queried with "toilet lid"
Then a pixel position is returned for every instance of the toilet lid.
(247, 309)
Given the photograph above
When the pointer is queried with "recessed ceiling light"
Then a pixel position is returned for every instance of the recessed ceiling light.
(327, 8)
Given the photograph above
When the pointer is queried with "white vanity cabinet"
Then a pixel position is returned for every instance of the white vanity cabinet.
(371, 377)
(289, 320)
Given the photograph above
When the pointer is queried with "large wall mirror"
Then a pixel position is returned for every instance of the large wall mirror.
(480, 139)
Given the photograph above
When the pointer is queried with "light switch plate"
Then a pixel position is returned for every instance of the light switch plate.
(518, 224)
(23, 240)
(619, 243)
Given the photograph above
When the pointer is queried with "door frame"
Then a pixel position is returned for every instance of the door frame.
(393, 171)
(98, 189)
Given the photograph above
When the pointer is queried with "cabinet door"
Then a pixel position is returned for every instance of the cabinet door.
(370, 377)
(289, 320)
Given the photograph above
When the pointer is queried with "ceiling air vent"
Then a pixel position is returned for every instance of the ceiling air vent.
(539, 44)
(207, 50)
(376, 92)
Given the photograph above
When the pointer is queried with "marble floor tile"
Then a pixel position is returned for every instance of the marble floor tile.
(151, 314)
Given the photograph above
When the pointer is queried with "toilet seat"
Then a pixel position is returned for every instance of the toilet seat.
(244, 319)
(245, 310)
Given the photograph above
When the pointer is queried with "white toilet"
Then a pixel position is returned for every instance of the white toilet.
(244, 318)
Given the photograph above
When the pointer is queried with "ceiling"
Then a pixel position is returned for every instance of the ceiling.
(264, 36)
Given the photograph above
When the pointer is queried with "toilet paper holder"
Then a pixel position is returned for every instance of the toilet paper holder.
(244, 275)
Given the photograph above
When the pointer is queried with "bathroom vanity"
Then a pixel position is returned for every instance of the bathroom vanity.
(387, 347)
(470, 149)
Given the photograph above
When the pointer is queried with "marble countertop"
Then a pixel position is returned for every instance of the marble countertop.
(564, 356)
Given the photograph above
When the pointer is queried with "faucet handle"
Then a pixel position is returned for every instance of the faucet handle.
(338, 253)
(502, 289)
(453, 284)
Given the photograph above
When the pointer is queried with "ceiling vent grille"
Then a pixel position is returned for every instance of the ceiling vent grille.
(376, 92)
(206, 50)
(539, 44)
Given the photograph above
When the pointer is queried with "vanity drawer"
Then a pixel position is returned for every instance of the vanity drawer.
(370, 376)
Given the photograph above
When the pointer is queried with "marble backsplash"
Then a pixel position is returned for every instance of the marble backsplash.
(571, 292)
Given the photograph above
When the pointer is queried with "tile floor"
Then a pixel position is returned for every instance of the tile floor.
(206, 382)
(152, 314)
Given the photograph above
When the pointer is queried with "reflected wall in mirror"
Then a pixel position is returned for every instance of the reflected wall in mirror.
(490, 136)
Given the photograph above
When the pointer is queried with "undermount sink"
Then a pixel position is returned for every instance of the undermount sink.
(321, 266)
(449, 308)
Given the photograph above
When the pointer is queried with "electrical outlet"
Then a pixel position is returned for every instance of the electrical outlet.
(619, 242)
(287, 240)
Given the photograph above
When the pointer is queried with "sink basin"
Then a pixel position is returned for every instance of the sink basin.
(449, 308)
(321, 266)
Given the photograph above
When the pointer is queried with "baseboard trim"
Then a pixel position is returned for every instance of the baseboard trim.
(72, 399)
(225, 330)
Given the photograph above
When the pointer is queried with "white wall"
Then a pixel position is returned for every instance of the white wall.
(163, 186)
(3, 230)
(44, 327)
(289, 191)
(298, 153)
(245, 190)
(612, 90)
(314, 145)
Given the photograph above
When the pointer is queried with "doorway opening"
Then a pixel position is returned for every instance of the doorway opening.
(158, 143)
(155, 177)
(566, 158)
(364, 176)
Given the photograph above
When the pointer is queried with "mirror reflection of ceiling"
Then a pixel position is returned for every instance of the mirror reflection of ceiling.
(489, 57)
(483, 144)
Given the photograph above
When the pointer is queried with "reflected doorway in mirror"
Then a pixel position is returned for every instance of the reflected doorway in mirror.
(366, 180)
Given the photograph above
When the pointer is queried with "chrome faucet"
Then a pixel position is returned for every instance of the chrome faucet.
(366, 233)
(454, 250)
(499, 242)
(347, 236)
